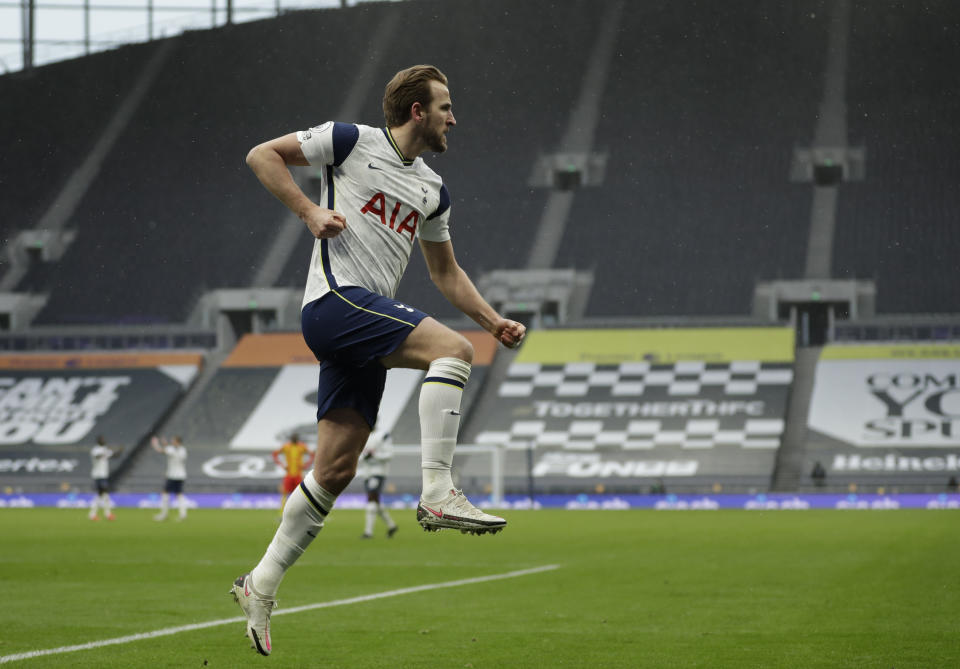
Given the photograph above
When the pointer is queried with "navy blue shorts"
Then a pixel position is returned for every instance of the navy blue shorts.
(374, 485)
(349, 330)
(173, 486)
(101, 486)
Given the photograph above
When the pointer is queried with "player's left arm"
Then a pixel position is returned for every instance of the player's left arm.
(460, 290)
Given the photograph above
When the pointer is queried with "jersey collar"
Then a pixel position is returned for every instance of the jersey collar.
(393, 143)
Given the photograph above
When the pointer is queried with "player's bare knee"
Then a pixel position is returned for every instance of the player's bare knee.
(461, 348)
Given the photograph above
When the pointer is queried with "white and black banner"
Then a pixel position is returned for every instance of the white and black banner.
(886, 402)
(49, 419)
(638, 406)
(290, 406)
(607, 423)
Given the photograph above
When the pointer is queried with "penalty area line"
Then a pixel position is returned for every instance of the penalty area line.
(296, 609)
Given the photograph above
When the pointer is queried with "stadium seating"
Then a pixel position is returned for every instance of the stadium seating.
(899, 226)
(175, 212)
(48, 124)
(700, 117)
(514, 69)
(158, 228)
(696, 205)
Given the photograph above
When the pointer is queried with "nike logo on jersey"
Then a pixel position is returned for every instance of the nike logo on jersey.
(374, 167)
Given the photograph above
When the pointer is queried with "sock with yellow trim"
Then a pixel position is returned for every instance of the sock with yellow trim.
(303, 517)
(440, 397)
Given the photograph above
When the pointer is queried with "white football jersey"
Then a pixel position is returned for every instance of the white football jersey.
(388, 202)
(376, 455)
(176, 462)
(100, 457)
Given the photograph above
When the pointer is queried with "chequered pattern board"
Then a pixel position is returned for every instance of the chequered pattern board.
(641, 406)
(638, 435)
(628, 379)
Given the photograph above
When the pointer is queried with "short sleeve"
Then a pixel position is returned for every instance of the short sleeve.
(329, 143)
(436, 228)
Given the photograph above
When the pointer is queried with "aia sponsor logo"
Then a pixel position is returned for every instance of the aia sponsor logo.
(407, 225)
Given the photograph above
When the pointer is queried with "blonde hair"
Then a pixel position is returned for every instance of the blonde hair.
(409, 86)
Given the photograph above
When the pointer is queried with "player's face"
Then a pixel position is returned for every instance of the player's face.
(438, 119)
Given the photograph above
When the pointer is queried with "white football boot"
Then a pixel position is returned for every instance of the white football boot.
(455, 512)
(257, 610)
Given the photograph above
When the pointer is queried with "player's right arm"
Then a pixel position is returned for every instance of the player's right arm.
(269, 162)
(276, 457)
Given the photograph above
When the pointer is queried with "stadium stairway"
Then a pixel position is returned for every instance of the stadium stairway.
(577, 139)
(788, 474)
(57, 217)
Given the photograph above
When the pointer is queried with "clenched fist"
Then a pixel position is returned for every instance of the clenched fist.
(325, 223)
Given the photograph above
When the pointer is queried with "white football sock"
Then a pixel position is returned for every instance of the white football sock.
(370, 517)
(164, 505)
(440, 397)
(382, 512)
(303, 518)
(182, 506)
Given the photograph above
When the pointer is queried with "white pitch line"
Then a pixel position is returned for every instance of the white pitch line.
(297, 609)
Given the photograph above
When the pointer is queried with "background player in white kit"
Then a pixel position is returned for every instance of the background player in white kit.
(176, 454)
(378, 198)
(373, 464)
(100, 456)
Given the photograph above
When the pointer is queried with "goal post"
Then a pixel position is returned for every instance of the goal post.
(471, 462)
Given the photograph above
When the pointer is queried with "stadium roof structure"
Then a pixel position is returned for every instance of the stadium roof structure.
(47, 31)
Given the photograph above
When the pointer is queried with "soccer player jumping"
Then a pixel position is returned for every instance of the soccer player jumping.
(378, 197)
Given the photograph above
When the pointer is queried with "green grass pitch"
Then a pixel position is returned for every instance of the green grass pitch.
(633, 589)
